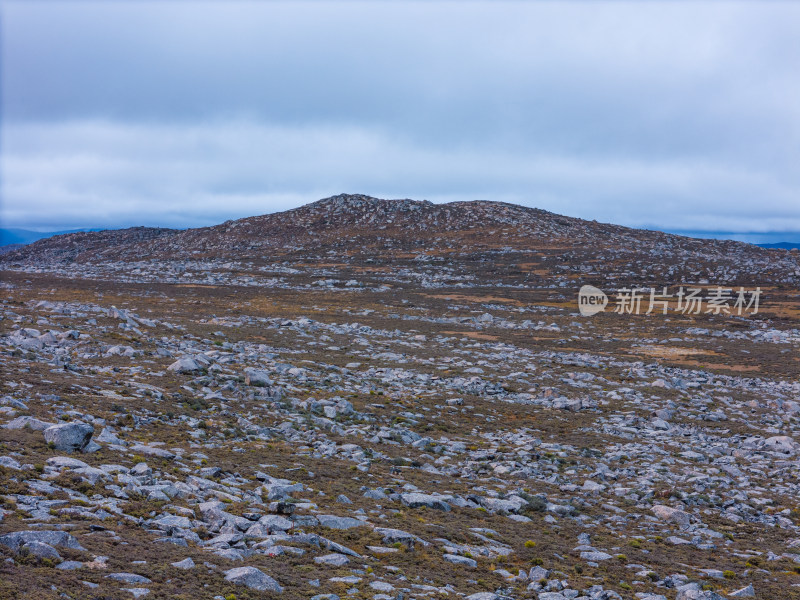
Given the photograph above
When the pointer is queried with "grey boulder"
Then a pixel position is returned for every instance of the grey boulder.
(9, 463)
(256, 377)
(334, 522)
(185, 564)
(253, 578)
(69, 437)
(128, 578)
(782, 444)
(460, 560)
(674, 515)
(41, 550)
(332, 560)
(16, 539)
(184, 365)
(417, 500)
(695, 594)
(29, 423)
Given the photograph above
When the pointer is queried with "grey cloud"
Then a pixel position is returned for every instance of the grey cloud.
(663, 114)
(106, 173)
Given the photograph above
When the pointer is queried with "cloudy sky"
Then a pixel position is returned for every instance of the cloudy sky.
(675, 115)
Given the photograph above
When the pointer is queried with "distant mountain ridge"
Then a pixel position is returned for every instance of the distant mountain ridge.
(67, 248)
(781, 245)
(27, 236)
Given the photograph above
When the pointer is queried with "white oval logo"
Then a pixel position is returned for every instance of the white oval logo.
(591, 300)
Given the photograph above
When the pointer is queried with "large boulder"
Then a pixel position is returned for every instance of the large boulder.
(276, 523)
(256, 377)
(782, 444)
(253, 578)
(41, 550)
(184, 365)
(16, 539)
(173, 522)
(417, 500)
(69, 437)
(669, 514)
(10, 463)
(334, 522)
(498, 505)
(391, 536)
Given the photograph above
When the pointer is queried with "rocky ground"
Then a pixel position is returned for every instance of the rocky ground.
(426, 427)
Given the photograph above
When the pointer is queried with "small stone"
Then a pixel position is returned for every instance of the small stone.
(332, 560)
(378, 550)
(173, 522)
(65, 462)
(460, 560)
(745, 592)
(28, 422)
(538, 573)
(381, 586)
(185, 564)
(128, 578)
(152, 451)
(334, 522)
(595, 556)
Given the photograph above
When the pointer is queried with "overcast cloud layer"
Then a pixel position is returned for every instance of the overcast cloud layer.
(670, 116)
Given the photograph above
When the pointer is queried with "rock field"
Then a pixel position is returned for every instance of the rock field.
(431, 420)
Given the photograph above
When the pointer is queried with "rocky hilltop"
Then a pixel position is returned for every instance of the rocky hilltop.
(349, 221)
(521, 243)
